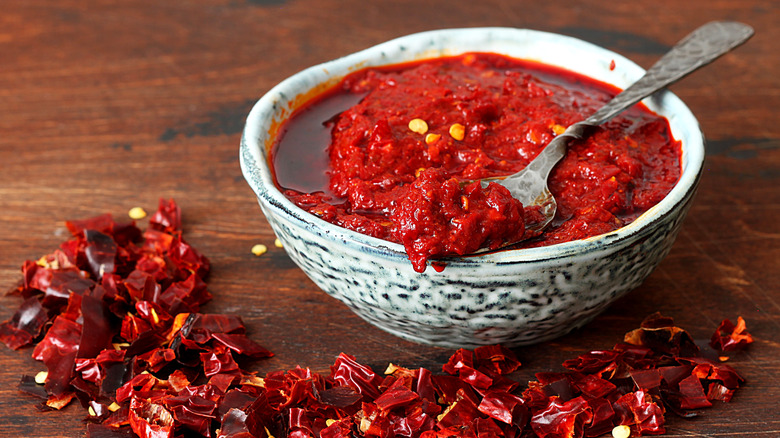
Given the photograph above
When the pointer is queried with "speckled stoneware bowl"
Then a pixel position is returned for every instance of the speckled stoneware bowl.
(511, 297)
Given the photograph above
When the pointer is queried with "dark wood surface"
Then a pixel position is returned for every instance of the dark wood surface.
(107, 105)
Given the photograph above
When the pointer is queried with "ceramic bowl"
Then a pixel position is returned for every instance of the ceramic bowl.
(511, 297)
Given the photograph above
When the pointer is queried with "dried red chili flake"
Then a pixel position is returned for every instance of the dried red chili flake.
(25, 325)
(347, 371)
(167, 218)
(562, 419)
(150, 420)
(730, 337)
(496, 359)
(501, 406)
(639, 411)
(399, 394)
(660, 335)
(114, 313)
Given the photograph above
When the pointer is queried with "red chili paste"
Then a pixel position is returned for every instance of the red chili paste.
(390, 153)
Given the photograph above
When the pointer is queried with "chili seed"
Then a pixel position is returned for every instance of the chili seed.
(418, 125)
(137, 213)
(432, 138)
(40, 378)
(621, 431)
(259, 249)
(278, 243)
(457, 131)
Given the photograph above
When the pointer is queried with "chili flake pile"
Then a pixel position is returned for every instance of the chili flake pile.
(114, 316)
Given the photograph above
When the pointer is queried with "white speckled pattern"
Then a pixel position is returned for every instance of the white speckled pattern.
(511, 297)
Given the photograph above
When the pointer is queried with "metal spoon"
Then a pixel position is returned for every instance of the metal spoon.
(701, 47)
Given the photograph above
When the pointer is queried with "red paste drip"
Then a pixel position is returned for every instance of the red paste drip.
(350, 157)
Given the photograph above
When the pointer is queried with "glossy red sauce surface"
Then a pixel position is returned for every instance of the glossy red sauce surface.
(352, 157)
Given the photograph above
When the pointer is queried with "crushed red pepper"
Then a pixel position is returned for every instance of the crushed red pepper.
(153, 366)
(114, 316)
(730, 337)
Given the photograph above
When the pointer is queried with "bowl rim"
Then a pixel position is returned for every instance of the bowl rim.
(273, 107)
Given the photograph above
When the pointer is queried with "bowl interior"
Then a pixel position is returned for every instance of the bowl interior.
(271, 110)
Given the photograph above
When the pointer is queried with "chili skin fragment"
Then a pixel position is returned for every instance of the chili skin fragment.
(730, 337)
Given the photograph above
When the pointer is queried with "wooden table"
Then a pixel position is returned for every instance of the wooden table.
(108, 105)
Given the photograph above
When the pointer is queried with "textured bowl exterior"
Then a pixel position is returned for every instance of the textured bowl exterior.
(516, 297)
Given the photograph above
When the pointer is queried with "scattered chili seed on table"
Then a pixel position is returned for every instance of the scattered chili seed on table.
(137, 213)
(259, 249)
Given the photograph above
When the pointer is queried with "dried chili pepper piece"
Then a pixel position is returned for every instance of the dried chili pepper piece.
(167, 218)
(25, 325)
(399, 394)
(461, 358)
(730, 337)
(103, 223)
(500, 405)
(242, 344)
(562, 419)
(692, 394)
(28, 385)
(347, 371)
(640, 412)
(150, 420)
(717, 391)
(58, 351)
(593, 362)
(101, 250)
(496, 359)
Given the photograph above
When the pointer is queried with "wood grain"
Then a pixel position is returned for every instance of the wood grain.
(107, 105)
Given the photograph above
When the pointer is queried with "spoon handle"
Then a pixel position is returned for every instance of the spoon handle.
(701, 47)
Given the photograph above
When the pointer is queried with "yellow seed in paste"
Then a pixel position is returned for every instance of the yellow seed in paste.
(418, 125)
(432, 138)
(458, 131)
